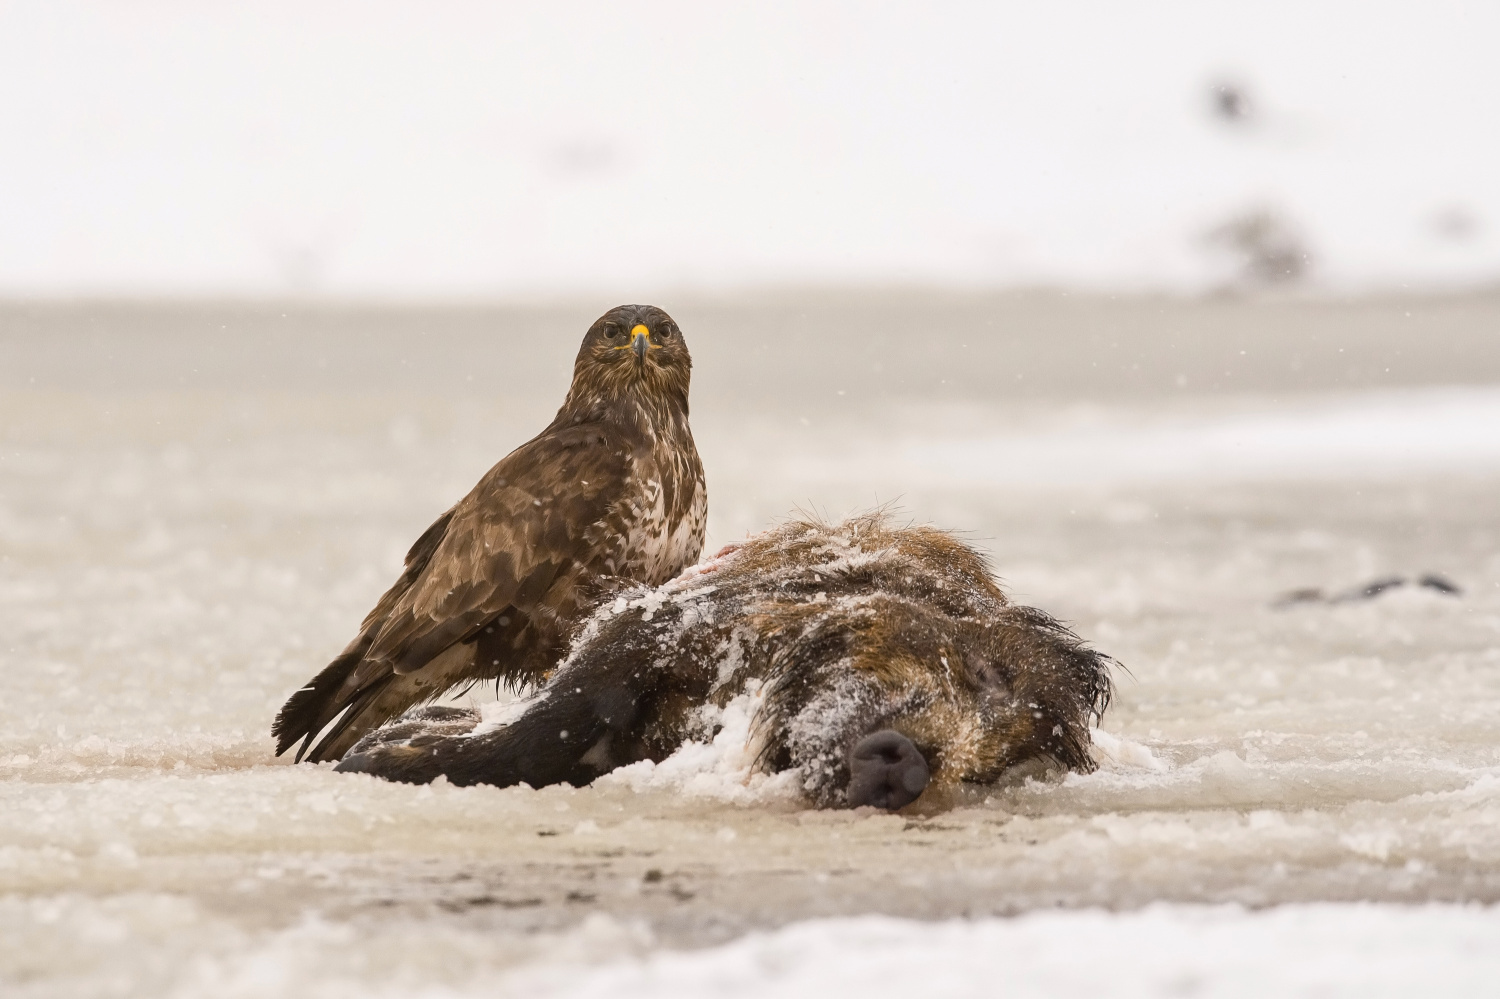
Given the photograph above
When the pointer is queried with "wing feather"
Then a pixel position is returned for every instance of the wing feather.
(520, 529)
(531, 522)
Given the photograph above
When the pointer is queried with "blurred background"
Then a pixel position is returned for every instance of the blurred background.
(483, 150)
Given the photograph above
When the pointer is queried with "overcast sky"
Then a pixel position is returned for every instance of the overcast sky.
(481, 150)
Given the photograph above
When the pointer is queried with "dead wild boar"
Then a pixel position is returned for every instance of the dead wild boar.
(888, 660)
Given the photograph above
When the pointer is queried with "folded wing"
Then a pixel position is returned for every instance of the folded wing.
(488, 592)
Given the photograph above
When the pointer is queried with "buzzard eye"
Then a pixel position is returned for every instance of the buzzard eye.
(665, 333)
(611, 331)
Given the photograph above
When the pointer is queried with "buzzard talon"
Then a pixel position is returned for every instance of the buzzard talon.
(493, 590)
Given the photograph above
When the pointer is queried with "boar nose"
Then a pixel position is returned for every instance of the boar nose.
(886, 770)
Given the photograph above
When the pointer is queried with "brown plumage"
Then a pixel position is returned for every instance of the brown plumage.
(493, 590)
(888, 659)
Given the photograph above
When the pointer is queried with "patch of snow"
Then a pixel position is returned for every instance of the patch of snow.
(1370, 951)
(721, 770)
(498, 714)
(1112, 752)
(649, 602)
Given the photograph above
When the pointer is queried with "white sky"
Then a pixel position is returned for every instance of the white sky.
(416, 150)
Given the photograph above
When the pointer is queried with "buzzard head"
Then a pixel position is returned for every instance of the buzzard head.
(633, 347)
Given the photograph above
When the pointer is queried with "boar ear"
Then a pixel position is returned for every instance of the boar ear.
(886, 770)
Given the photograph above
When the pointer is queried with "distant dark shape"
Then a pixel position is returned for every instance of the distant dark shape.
(1368, 591)
(582, 157)
(612, 490)
(1456, 223)
(1268, 248)
(1372, 589)
(886, 660)
(1443, 585)
(1230, 103)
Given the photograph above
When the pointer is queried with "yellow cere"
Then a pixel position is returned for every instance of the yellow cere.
(639, 329)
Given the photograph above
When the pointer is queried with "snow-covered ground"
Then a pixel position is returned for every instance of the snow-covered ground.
(193, 518)
(1221, 951)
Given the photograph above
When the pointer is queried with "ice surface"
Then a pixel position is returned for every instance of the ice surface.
(1161, 951)
(174, 562)
(1362, 949)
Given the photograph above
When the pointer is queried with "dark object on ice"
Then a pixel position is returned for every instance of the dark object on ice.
(1268, 246)
(1457, 223)
(493, 590)
(1368, 591)
(885, 658)
(1443, 585)
(886, 770)
(1230, 103)
(1307, 595)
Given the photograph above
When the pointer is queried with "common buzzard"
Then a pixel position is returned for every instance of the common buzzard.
(612, 489)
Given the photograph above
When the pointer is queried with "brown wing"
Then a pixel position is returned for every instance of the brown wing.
(535, 520)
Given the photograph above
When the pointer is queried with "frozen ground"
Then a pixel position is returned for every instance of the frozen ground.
(198, 504)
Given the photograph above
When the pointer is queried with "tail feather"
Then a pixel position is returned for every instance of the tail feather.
(354, 695)
(354, 721)
(306, 712)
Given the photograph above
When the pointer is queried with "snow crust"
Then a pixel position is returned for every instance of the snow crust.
(1114, 753)
(720, 770)
(1367, 950)
(501, 712)
(1363, 950)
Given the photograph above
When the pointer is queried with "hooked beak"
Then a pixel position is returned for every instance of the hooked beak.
(640, 341)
